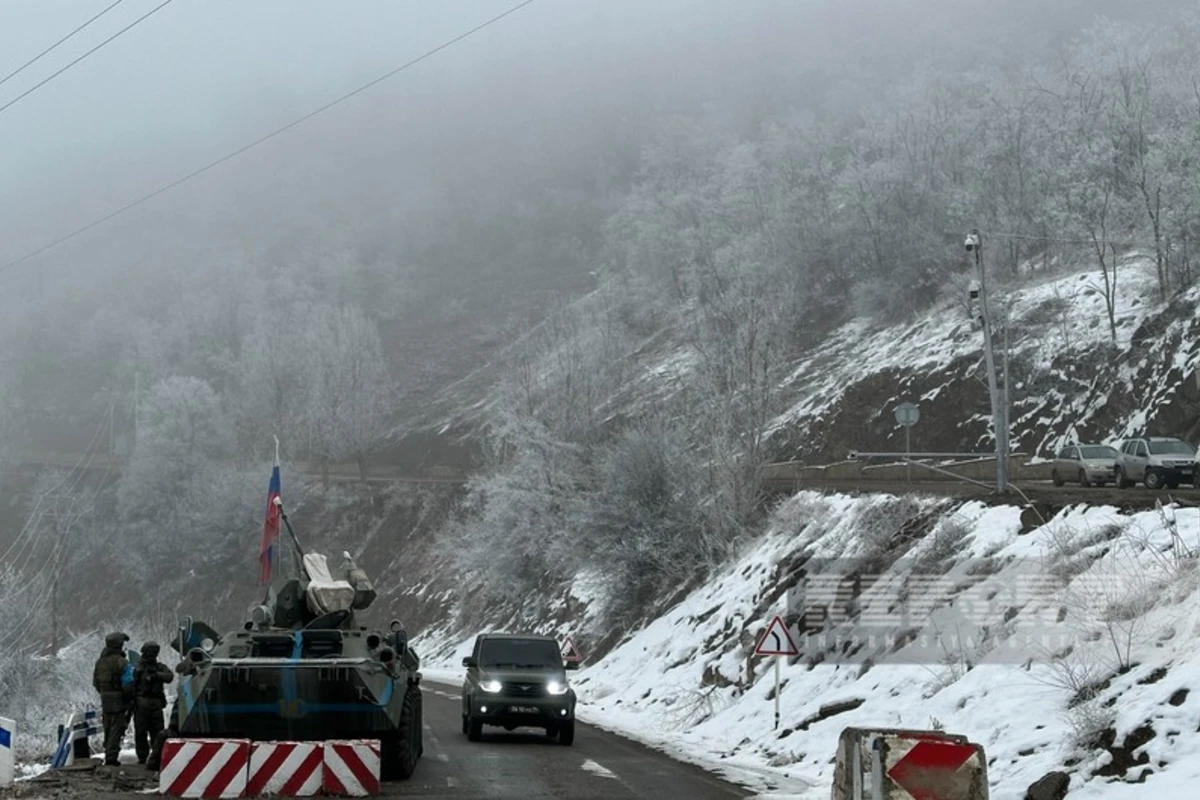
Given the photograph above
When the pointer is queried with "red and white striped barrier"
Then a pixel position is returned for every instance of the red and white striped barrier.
(352, 767)
(285, 769)
(207, 768)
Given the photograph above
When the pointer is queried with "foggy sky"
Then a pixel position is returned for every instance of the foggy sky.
(199, 79)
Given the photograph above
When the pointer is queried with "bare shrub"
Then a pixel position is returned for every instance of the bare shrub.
(941, 546)
(1071, 551)
(881, 528)
(1089, 721)
(687, 707)
(960, 655)
(1081, 673)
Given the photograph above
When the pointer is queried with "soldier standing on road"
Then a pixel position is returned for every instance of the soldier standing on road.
(112, 679)
(149, 677)
(184, 667)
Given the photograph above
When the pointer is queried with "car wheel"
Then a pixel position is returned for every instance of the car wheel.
(1120, 477)
(474, 729)
(1153, 479)
(464, 725)
(1084, 480)
(566, 733)
(1055, 478)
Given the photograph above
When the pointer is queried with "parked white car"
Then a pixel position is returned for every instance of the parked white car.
(1086, 464)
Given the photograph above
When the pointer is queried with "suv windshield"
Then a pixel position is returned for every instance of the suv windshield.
(1173, 447)
(519, 653)
(1098, 451)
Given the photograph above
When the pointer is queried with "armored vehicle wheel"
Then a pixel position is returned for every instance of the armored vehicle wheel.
(402, 749)
(566, 733)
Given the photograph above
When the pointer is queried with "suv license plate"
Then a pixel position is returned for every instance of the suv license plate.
(523, 709)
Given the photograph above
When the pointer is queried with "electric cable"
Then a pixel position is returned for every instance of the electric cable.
(234, 154)
(54, 75)
(38, 57)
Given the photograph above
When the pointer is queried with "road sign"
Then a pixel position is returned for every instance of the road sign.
(930, 771)
(776, 640)
(905, 764)
(571, 652)
(907, 414)
(7, 762)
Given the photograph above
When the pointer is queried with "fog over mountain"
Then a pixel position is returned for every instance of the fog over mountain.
(738, 178)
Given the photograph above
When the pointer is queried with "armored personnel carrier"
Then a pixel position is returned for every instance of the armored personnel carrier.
(304, 669)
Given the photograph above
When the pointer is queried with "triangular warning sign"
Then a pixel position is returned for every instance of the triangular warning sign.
(776, 640)
(571, 652)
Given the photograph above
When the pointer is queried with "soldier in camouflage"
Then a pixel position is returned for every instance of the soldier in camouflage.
(149, 677)
(112, 677)
(184, 667)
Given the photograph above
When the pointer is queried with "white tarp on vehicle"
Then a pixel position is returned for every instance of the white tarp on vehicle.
(326, 595)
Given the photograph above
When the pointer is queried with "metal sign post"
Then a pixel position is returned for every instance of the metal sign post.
(776, 641)
(907, 415)
(776, 692)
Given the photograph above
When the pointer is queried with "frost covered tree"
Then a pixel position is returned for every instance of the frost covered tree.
(272, 380)
(178, 478)
(348, 392)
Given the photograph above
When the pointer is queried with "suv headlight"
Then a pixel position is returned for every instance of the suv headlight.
(555, 687)
(491, 686)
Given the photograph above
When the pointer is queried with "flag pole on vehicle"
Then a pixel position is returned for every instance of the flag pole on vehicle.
(267, 554)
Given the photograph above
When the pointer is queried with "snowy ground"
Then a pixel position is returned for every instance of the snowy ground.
(1127, 581)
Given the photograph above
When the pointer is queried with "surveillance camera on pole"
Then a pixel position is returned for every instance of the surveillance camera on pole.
(977, 292)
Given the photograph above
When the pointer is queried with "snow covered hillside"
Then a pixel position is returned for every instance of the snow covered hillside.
(1065, 647)
(1074, 375)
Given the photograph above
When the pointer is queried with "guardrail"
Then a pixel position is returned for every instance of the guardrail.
(340, 472)
(980, 469)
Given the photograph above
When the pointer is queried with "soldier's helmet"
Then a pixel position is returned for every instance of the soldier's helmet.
(150, 650)
(116, 640)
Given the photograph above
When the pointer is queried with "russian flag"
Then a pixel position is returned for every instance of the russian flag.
(270, 529)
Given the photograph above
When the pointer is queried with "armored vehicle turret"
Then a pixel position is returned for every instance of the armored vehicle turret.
(303, 668)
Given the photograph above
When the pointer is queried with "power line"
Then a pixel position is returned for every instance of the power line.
(43, 82)
(196, 173)
(1056, 240)
(38, 57)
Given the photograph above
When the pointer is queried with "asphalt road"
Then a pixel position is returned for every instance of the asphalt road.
(524, 763)
(520, 764)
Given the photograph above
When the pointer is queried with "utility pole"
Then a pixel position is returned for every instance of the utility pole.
(974, 244)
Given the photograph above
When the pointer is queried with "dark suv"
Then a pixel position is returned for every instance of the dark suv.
(517, 681)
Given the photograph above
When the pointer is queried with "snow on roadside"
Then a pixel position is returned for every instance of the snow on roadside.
(677, 684)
